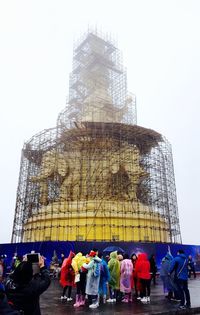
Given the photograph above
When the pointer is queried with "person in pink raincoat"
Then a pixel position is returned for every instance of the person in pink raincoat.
(126, 272)
(67, 276)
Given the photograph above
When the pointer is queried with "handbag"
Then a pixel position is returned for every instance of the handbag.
(77, 277)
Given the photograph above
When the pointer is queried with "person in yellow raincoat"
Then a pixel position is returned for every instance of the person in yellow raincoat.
(80, 277)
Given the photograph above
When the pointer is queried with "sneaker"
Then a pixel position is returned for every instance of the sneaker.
(114, 300)
(125, 300)
(63, 297)
(175, 300)
(182, 307)
(69, 299)
(139, 298)
(144, 299)
(110, 300)
(148, 299)
(94, 305)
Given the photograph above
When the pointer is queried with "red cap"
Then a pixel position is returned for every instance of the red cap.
(92, 253)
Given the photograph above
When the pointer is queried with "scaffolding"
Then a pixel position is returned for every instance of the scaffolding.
(97, 175)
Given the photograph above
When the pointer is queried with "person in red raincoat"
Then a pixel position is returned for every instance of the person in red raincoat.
(142, 269)
(67, 276)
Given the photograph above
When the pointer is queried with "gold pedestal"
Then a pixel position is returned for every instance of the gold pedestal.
(99, 220)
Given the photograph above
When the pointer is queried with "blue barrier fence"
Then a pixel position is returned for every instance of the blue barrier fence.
(47, 249)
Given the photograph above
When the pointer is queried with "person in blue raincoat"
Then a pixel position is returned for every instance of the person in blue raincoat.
(104, 278)
(168, 286)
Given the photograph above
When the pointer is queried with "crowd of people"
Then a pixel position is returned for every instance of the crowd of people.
(98, 279)
(117, 277)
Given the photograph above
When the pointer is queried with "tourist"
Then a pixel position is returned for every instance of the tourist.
(164, 275)
(179, 265)
(55, 265)
(191, 267)
(13, 261)
(118, 293)
(3, 266)
(142, 269)
(94, 249)
(153, 268)
(23, 289)
(134, 283)
(67, 277)
(16, 261)
(93, 278)
(5, 308)
(62, 257)
(126, 272)
(120, 257)
(80, 277)
(1, 270)
(114, 268)
(104, 278)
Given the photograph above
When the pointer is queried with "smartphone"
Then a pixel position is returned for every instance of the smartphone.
(33, 258)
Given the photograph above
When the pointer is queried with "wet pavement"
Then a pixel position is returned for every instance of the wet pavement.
(51, 304)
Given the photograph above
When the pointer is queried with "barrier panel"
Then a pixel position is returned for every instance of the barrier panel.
(48, 249)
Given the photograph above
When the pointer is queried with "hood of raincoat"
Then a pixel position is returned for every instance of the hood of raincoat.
(71, 254)
(68, 261)
(142, 257)
(78, 261)
(113, 255)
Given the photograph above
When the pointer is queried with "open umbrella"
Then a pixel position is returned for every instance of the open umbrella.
(111, 249)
